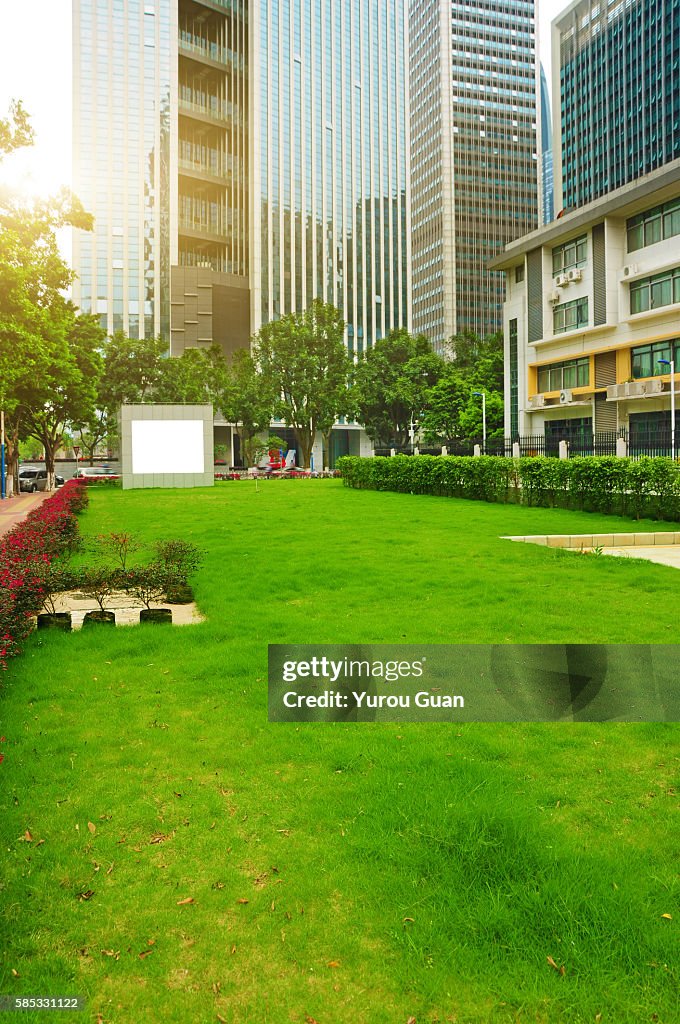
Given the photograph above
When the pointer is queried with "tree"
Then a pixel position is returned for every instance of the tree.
(197, 377)
(35, 319)
(454, 411)
(63, 386)
(15, 130)
(304, 358)
(132, 369)
(248, 402)
(391, 385)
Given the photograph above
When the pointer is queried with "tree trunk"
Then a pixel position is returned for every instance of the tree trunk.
(326, 450)
(50, 448)
(305, 440)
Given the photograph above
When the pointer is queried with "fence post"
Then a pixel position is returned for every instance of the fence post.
(445, 450)
(564, 449)
(515, 450)
(393, 452)
(477, 451)
(416, 450)
(621, 448)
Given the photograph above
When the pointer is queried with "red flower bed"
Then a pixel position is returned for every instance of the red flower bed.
(49, 530)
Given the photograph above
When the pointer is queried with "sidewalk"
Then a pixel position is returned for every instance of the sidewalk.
(13, 510)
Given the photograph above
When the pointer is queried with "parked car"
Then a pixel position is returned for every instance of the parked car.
(95, 472)
(34, 478)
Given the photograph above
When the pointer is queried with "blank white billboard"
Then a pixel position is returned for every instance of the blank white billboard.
(167, 446)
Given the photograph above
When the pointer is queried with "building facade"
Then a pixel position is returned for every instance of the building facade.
(592, 318)
(547, 186)
(474, 157)
(241, 158)
(616, 70)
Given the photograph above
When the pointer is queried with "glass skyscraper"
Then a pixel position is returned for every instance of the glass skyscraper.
(330, 161)
(474, 167)
(242, 158)
(616, 69)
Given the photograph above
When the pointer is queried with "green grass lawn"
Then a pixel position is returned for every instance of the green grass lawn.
(348, 873)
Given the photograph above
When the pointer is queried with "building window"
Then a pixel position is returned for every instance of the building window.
(654, 225)
(654, 292)
(514, 379)
(644, 359)
(571, 254)
(519, 274)
(568, 316)
(571, 373)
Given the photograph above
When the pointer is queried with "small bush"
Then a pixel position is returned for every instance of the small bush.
(647, 487)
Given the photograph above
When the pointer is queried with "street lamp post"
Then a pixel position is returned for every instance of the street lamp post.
(482, 395)
(671, 364)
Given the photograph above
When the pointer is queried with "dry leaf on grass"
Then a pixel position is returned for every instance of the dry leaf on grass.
(560, 970)
(411, 1020)
(333, 963)
(87, 895)
(183, 903)
(222, 1019)
(92, 827)
(667, 917)
(311, 1020)
(242, 899)
(115, 953)
(26, 838)
(15, 974)
(144, 953)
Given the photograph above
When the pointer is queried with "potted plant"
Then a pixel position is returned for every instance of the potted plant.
(99, 582)
(179, 559)
(148, 584)
(55, 579)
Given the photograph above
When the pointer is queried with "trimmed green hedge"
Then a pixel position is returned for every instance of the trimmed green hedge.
(647, 487)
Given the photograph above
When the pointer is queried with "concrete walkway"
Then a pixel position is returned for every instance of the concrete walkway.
(662, 548)
(15, 509)
(668, 554)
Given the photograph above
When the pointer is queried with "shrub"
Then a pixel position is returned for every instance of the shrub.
(647, 487)
(26, 552)
(146, 583)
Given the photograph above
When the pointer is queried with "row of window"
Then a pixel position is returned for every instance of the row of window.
(571, 254)
(653, 292)
(572, 373)
(569, 316)
(654, 225)
(648, 360)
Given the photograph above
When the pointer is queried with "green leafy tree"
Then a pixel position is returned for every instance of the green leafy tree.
(392, 383)
(64, 385)
(197, 377)
(37, 325)
(454, 411)
(248, 402)
(132, 369)
(304, 358)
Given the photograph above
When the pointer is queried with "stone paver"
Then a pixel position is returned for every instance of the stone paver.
(668, 554)
(15, 509)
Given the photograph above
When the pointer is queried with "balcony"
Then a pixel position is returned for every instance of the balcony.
(204, 49)
(197, 228)
(217, 111)
(214, 170)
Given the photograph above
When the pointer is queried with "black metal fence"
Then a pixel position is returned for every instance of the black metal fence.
(638, 444)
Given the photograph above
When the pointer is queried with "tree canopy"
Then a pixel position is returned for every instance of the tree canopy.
(303, 357)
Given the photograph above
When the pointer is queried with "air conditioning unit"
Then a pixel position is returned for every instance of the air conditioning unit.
(565, 397)
(561, 280)
(553, 298)
(630, 270)
(537, 401)
(574, 275)
(652, 387)
(635, 389)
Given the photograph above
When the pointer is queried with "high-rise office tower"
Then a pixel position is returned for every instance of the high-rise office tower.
(547, 187)
(616, 69)
(474, 160)
(242, 158)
